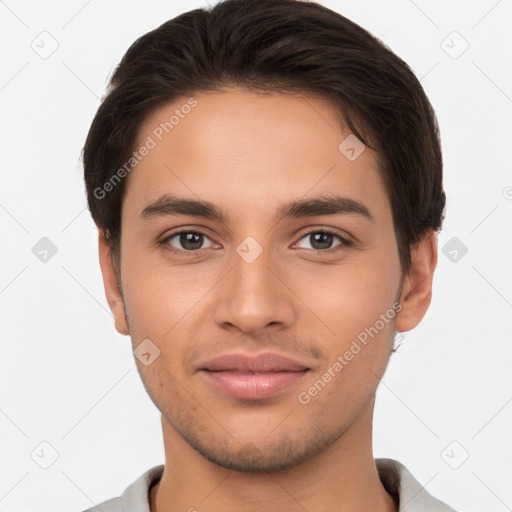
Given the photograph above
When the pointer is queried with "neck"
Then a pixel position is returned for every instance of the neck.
(341, 477)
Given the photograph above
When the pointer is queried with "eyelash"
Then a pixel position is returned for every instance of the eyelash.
(164, 242)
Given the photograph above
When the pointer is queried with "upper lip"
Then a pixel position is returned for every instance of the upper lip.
(265, 362)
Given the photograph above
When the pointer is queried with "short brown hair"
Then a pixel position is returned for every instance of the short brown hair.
(287, 46)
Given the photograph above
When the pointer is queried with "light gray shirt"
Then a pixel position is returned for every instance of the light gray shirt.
(395, 477)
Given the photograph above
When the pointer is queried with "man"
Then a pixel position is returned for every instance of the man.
(266, 177)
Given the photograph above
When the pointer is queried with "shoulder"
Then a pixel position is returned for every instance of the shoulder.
(112, 505)
(135, 497)
(411, 495)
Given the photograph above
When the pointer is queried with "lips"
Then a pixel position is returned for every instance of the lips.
(252, 377)
(262, 363)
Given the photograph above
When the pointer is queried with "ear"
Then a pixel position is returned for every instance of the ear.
(417, 288)
(112, 285)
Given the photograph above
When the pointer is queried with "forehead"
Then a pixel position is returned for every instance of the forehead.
(242, 148)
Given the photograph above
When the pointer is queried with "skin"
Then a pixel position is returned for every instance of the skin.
(248, 153)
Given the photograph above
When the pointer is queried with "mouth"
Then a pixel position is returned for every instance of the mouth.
(253, 385)
(253, 377)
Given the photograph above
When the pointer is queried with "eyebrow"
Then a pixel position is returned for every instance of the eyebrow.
(170, 205)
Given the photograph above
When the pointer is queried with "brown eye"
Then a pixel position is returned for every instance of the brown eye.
(322, 240)
(187, 241)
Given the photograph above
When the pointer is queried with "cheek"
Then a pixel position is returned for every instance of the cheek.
(346, 383)
(345, 299)
(164, 304)
(158, 293)
(356, 305)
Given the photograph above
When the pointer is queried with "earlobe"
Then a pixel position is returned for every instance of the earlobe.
(417, 288)
(112, 286)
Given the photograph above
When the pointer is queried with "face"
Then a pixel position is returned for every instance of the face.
(318, 286)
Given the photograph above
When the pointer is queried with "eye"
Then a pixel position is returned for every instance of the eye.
(321, 240)
(191, 241)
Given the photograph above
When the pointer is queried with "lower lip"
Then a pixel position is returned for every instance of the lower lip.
(253, 386)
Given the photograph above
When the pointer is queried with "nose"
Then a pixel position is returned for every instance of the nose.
(254, 296)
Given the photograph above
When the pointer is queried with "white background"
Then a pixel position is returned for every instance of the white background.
(67, 377)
